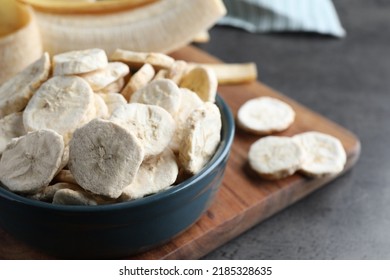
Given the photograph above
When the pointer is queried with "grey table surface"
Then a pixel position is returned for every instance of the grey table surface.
(348, 81)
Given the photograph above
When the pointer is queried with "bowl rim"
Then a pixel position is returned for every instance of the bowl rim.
(223, 150)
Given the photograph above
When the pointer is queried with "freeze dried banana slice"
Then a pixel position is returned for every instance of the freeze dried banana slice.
(201, 80)
(11, 126)
(275, 157)
(140, 79)
(31, 161)
(161, 74)
(189, 102)
(47, 193)
(231, 73)
(155, 174)
(201, 137)
(113, 101)
(177, 71)
(79, 62)
(323, 154)
(62, 103)
(152, 125)
(114, 87)
(265, 115)
(65, 176)
(69, 194)
(104, 157)
(101, 107)
(137, 59)
(72, 197)
(16, 92)
(64, 159)
(101, 78)
(164, 93)
(202, 37)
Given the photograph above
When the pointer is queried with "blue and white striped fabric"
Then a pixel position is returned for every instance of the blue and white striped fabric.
(317, 16)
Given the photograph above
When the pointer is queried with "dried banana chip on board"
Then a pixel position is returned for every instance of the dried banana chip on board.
(323, 154)
(275, 157)
(265, 115)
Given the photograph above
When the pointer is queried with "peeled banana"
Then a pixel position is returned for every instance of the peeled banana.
(20, 42)
(161, 26)
(85, 6)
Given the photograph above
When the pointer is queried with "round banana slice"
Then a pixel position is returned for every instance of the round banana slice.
(163, 92)
(275, 157)
(113, 101)
(11, 126)
(79, 62)
(323, 154)
(201, 137)
(265, 115)
(140, 79)
(63, 103)
(65, 176)
(161, 74)
(155, 174)
(101, 107)
(189, 102)
(47, 193)
(137, 59)
(64, 159)
(104, 157)
(114, 87)
(177, 71)
(101, 78)
(72, 197)
(16, 92)
(152, 125)
(201, 80)
(31, 161)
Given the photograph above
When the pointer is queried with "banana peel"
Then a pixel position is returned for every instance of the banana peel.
(20, 41)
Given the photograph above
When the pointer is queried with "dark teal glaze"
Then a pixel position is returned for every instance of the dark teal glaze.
(122, 229)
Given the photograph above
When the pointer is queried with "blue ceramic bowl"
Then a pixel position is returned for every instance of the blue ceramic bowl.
(122, 229)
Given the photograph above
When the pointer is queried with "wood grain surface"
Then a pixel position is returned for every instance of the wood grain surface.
(244, 199)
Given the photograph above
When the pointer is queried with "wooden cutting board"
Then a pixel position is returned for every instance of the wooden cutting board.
(244, 199)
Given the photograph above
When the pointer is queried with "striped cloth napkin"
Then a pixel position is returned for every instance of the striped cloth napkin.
(317, 16)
